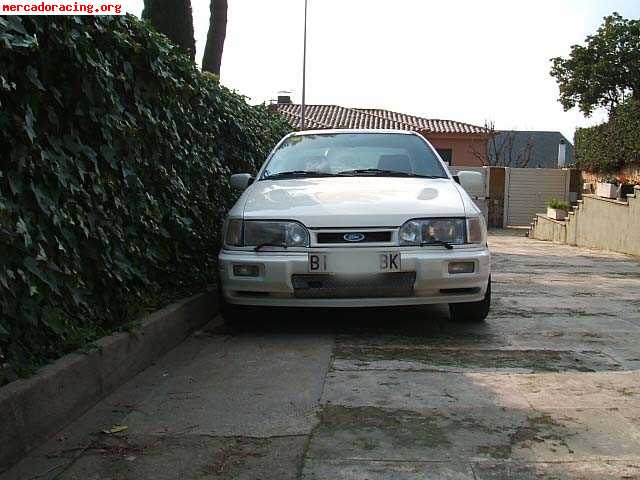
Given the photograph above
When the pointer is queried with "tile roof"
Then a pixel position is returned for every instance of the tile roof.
(334, 116)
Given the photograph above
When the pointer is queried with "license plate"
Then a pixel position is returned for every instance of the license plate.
(379, 262)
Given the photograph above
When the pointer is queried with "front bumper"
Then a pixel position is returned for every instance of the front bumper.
(274, 286)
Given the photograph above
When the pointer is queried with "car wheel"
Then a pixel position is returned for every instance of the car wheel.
(471, 312)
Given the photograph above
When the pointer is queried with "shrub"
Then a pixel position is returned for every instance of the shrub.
(559, 204)
(612, 145)
(610, 179)
(115, 152)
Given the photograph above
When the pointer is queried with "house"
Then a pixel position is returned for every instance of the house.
(534, 149)
(457, 143)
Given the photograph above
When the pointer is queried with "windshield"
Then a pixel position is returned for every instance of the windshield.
(354, 154)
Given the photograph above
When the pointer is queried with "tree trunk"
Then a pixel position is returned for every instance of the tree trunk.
(215, 38)
(174, 19)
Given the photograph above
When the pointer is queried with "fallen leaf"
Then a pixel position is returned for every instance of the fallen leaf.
(115, 429)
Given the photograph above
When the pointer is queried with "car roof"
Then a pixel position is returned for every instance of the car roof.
(333, 131)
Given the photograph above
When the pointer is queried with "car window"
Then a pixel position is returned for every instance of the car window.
(337, 153)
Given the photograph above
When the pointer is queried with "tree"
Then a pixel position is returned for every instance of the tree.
(174, 19)
(503, 149)
(215, 38)
(604, 72)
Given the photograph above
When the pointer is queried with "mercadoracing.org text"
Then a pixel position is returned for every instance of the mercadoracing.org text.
(61, 7)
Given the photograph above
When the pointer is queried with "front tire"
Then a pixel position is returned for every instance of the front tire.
(471, 312)
(234, 314)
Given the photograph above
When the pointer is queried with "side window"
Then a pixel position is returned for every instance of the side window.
(446, 154)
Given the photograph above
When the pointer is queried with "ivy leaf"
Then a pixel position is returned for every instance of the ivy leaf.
(3, 281)
(22, 230)
(5, 85)
(44, 201)
(32, 75)
(15, 24)
(28, 123)
(31, 265)
(109, 155)
(15, 183)
(57, 95)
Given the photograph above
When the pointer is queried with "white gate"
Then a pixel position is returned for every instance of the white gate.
(479, 198)
(528, 190)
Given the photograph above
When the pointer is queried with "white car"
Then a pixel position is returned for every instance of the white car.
(356, 218)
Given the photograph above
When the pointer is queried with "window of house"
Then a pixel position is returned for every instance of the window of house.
(446, 154)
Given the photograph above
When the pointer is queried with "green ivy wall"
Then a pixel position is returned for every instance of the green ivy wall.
(115, 153)
(611, 146)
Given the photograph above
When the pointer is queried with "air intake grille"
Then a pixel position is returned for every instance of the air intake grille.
(367, 286)
(367, 237)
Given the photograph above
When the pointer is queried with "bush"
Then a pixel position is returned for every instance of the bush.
(115, 152)
(612, 145)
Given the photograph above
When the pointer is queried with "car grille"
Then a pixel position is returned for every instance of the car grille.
(398, 284)
(368, 237)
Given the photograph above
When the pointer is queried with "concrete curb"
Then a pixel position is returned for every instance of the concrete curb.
(35, 408)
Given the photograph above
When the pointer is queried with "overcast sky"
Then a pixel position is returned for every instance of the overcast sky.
(464, 60)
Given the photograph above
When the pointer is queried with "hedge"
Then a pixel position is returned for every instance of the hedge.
(114, 160)
(608, 147)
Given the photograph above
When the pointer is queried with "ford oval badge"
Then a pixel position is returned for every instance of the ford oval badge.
(353, 237)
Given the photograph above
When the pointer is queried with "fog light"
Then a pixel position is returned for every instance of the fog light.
(246, 270)
(461, 267)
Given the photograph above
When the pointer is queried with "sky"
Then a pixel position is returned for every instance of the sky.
(466, 60)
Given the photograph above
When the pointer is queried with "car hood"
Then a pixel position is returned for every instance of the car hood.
(352, 201)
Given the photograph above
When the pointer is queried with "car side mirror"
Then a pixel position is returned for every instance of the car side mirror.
(240, 181)
(472, 182)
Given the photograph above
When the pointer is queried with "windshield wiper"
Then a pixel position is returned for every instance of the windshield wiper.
(446, 245)
(383, 173)
(270, 244)
(298, 173)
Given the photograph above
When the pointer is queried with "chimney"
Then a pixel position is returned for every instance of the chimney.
(562, 153)
(284, 98)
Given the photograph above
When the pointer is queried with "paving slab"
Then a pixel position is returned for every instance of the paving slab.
(315, 469)
(418, 358)
(555, 471)
(580, 390)
(473, 434)
(453, 336)
(211, 386)
(418, 391)
(128, 457)
(286, 375)
(512, 323)
(557, 305)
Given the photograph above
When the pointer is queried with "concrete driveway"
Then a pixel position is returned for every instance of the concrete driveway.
(549, 388)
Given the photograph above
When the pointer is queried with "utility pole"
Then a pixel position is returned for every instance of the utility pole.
(304, 70)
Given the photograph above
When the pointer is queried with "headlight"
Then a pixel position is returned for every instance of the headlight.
(433, 230)
(476, 230)
(252, 233)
